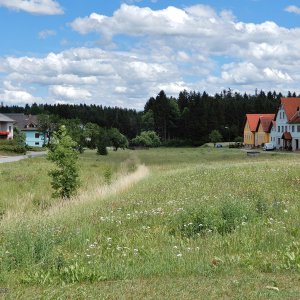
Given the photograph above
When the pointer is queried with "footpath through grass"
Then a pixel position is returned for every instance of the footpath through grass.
(197, 224)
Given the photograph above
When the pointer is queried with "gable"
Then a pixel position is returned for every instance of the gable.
(291, 108)
(254, 119)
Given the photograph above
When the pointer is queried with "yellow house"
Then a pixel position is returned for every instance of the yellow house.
(263, 131)
(257, 129)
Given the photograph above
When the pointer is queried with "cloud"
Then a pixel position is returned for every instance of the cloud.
(293, 9)
(38, 7)
(195, 48)
(46, 33)
(69, 92)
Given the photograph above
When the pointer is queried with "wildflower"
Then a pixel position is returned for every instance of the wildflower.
(179, 255)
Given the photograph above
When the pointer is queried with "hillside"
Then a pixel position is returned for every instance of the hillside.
(197, 223)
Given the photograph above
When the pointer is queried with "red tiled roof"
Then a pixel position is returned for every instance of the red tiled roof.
(253, 119)
(291, 106)
(266, 122)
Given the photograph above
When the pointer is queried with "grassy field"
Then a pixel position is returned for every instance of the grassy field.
(198, 223)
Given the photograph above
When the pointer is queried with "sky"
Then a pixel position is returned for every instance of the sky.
(121, 53)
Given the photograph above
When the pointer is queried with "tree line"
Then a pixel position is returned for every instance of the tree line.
(184, 120)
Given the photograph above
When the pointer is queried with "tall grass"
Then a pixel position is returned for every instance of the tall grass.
(198, 212)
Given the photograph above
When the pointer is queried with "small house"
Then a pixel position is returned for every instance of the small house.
(257, 129)
(29, 125)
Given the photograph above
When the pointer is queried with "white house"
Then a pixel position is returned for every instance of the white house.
(6, 127)
(285, 132)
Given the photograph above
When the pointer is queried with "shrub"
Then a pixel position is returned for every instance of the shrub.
(62, 153)
(101, 147)
(146, 139)
(12, 146)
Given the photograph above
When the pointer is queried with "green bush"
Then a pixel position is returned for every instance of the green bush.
(101, 148)
(146, 139)
(65, 177)
(12, 148)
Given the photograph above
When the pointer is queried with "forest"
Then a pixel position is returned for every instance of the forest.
(185, 120)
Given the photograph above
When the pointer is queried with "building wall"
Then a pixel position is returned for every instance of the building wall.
(282, 126)
(34, 138)
(260, 136)
(249, 136)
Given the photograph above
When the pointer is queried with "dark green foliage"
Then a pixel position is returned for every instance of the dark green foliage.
(117, 139)
(146, 139)
(238, 139)
(190, 117)
(47, 124)
(13, 148)
(101, 147)
(215, 136)
(17, 145)
(62, 152)
(19, 137)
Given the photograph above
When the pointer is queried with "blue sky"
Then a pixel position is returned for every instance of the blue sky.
(120, 53)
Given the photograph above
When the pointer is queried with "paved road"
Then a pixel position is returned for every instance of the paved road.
(7, 159)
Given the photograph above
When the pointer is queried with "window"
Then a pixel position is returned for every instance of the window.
(285, 128)
(37, 135)
(282, 130)
(293, 128)
(9, 128)
(37, 143)
(298, 128)
(278, 128)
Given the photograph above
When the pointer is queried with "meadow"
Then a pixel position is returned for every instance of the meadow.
(190, 223)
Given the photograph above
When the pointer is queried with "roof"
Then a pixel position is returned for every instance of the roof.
(4, 118)
(23, 121)
(291, 107)
(253, 119)
(266, 122)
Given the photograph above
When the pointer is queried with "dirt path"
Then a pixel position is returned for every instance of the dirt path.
(7, 159)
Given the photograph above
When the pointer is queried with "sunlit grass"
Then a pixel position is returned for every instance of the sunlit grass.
(134, 226)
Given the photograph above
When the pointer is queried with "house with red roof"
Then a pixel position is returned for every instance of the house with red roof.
(257, 129)
(285, 130)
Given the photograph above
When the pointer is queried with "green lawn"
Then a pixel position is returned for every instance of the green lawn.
(197, 223)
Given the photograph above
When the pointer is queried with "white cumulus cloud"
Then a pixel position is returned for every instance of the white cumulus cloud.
(39, 7)
(173, 49)
(69, 92)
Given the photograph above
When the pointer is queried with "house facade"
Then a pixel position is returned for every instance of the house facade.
(6, 127)
(257, 129)
(29, 125)
(285, 132)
